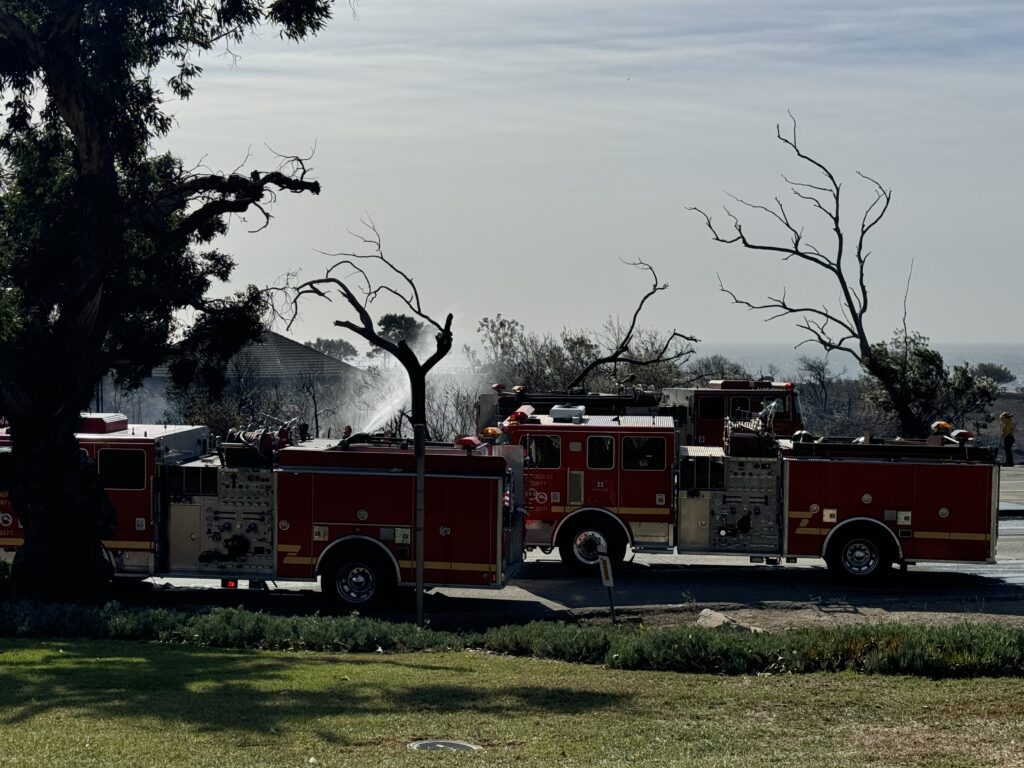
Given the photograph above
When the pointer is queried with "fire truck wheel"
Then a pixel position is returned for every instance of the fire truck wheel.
(357, 579)
(860, 555)
(580, 543)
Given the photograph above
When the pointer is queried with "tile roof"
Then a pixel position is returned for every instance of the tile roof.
(275, 356)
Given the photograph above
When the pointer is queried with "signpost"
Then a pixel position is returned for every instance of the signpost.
(605, 566)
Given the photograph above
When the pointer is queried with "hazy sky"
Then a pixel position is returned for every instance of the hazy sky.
(512, 153)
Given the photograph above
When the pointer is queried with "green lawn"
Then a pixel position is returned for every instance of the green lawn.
(133, 704)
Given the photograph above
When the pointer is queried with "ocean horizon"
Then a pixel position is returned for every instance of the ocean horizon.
(758, 357)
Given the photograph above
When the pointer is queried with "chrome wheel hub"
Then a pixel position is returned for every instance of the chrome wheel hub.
(588, 544)
(356, 584)
(860, 557)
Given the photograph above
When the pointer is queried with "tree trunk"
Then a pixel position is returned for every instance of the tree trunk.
(64, 512)
(418, 412)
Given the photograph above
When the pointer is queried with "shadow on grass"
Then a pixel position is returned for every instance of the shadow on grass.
(255, 693)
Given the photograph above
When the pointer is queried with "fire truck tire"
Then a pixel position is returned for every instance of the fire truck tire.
(860, 555)
(357, 578)
(580, 541)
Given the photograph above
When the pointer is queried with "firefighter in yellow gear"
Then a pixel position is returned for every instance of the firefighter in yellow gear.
(1007, 426)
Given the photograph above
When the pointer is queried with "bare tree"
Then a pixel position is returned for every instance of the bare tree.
(450, 408)
(839, 326)
(313, 386)
(817, 382)
(702, 370)
(359, 291)
(676, 346)
(359, 298)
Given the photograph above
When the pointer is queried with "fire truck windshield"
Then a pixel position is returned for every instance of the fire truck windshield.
(544, 450)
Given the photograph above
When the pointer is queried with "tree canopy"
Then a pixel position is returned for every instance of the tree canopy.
(339, 349)
(103, 241)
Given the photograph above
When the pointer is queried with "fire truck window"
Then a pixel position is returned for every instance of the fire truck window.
(741, 408)
(600, 452)
(781, 406)
(122, 469)
(712, 408)
(545, 451)
(643, 453)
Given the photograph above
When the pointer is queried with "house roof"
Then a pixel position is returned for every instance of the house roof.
(274, 356)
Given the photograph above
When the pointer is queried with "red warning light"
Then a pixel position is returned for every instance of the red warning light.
(229, 583)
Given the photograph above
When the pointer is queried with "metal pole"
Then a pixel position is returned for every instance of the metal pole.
(419, 432)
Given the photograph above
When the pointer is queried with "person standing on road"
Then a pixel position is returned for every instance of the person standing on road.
(1008, 428)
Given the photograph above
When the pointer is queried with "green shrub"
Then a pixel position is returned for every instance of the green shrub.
(696, 650)
(547, 640)
(963, 650)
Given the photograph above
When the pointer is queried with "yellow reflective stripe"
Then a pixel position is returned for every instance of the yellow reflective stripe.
(644, 510)
(619, 510)
(290, 549)
(11, 542)
(800, 515)
(943, 536)
(136, 545)
(441, 565)
(292, 560)
(938, 535)
(473, 567)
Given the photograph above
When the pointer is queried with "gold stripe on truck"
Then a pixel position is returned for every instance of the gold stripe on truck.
(441, 565)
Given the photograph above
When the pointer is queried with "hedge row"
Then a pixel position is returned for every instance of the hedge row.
(962, 650)
(219, 628)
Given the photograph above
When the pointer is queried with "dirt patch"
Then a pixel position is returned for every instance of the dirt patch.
(783, 616)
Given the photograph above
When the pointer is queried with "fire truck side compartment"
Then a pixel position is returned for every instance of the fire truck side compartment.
(927, 510)
(734, 509)
(368, 492)
(228, 528)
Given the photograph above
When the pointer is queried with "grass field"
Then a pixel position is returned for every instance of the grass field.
(134, 704)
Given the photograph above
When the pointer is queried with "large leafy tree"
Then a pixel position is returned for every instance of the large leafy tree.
(102, 240)
(930, 390)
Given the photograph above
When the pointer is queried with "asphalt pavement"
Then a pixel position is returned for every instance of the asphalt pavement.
(1011, 489)
(544, 590)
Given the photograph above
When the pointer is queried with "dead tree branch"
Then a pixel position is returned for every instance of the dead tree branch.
(834, 328)
(352, 282)
(670, 351)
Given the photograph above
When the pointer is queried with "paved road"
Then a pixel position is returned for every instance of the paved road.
(671, 580)
(542, 589)
(1011, 488)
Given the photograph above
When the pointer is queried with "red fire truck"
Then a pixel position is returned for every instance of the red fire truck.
(265, 509)
(698, 412)
(608, 482)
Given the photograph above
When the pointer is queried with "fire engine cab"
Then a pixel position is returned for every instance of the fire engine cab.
(598, 483)
(265, 508)
(699, 412)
